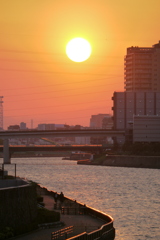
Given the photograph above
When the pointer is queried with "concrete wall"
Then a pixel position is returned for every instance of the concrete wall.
(7, 183)
(146, 128)
(133, 161)
(18, 208)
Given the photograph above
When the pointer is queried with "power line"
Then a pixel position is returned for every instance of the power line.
(50, 72)
(67, 83)
(78, 110)
(64, 90)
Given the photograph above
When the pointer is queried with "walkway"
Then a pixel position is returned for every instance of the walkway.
(81, 223)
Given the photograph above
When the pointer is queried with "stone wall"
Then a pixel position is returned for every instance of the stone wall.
(18, 208)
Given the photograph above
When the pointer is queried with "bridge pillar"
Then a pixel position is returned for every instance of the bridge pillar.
(6, 155)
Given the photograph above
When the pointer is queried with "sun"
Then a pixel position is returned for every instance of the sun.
(78, 49)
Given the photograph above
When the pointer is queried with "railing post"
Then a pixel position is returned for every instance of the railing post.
(3, 171)
(15, 170)
(65, 235)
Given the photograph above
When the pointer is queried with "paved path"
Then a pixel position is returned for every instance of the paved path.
(81, 223)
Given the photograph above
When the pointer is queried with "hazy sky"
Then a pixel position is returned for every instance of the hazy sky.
(37, 79)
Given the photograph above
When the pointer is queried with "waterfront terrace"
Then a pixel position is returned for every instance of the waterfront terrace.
(18, 210)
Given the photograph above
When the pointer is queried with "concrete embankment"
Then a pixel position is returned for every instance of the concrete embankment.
(132, 161)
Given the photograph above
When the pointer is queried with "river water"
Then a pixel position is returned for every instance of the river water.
(130, 195)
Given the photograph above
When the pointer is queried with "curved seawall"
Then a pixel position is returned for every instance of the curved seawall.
(106, 231)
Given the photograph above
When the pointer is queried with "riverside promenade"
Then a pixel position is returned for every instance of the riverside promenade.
(80, 222)
(69, 216)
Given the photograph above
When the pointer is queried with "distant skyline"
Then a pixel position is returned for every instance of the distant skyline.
(40, 83)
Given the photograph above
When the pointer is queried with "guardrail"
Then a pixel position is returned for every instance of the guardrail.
(97, 234)
(73, 210)
(62, 233)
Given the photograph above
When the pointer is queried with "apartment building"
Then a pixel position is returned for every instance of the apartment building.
(142, 69)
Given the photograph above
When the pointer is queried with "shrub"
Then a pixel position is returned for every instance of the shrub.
(46, 216)
(2, 236)
(6, 233)
(39, 199)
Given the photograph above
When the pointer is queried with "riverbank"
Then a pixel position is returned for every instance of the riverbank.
(61, 213)
(88, 223)
(126, 161)
(39, 154)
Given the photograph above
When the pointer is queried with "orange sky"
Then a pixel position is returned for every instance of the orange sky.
(37, 79)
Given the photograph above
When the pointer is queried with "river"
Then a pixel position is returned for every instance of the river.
(130, 195)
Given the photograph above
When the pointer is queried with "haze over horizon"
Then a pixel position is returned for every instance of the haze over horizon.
(40, 83)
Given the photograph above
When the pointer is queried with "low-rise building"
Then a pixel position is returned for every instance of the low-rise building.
(146, 128)
(128, 105)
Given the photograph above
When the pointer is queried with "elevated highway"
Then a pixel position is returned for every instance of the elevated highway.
(52, 148)
(61, 133)
(6, 135)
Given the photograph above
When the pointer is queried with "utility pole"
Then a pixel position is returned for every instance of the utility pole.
(1, 112)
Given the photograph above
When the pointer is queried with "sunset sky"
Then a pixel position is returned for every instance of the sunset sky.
(37, 79)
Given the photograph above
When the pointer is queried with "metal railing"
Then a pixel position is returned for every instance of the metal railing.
(73, 210)
(72, 207)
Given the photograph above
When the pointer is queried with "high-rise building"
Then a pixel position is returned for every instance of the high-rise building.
(23, 126)
(1, 113)
(142, 68)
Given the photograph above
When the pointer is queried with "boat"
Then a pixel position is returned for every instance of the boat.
(84, 161)
(79, 156)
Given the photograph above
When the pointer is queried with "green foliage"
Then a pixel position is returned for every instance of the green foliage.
(2, 236)
(142, 149)
(6, 233)
(39, 199)
(25, 228)
(99, 158)
(46, 216)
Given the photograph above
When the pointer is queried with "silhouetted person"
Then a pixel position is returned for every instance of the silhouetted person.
(61, 197)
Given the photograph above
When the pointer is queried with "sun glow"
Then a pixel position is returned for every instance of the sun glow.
(78, 49)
